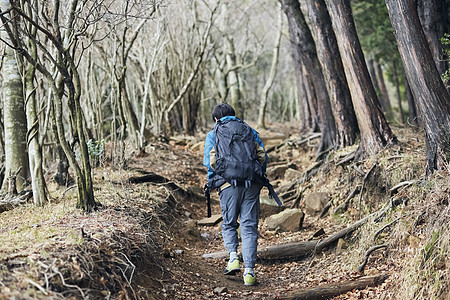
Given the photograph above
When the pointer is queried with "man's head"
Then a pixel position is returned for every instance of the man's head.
(221, 110)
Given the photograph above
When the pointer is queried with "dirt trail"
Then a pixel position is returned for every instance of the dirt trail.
(145, 243)
(193, 277)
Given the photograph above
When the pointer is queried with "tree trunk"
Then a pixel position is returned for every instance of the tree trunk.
(14, 118)
(397, 89)
(375, 131)
(272, 73)
(333, 70)
(34, 148)
(331, 290)
(385, 101)
(431, 97)
(234, 85)
(305, 49)
(432, 18)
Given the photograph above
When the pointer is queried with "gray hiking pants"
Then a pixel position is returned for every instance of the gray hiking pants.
(241, 202)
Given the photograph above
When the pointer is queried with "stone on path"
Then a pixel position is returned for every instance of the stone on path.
(268, 207)
(291, 175)
(315, 202)
(211, 221)
(287, 220)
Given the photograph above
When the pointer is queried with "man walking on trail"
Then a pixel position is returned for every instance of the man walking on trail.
(235, 157)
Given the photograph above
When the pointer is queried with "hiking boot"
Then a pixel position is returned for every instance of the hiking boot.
(249, 279)
(233, 267)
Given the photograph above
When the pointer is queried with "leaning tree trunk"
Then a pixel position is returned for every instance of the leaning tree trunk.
(432, 17)
(333, 70)
(303, 44)
(14, 119)
(429, 92)
(375, 131)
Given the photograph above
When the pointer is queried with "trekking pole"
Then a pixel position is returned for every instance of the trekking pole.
(208, 199)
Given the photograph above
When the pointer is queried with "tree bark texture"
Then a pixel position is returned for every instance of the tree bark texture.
(303, 44)
(412, 118)
(333, 71)
(431, 97)
(375, 131)
(14, 118)
(432, 17)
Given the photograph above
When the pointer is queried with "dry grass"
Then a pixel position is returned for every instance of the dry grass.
(57, 251)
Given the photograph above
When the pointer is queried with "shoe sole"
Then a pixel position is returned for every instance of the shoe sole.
(232, 272)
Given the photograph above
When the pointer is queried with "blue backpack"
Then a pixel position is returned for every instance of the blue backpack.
(236, 160)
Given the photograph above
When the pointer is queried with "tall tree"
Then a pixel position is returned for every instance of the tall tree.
(14, 118)
(33, 137)
(304, 50)
(333, 70)
(431, 97)
(375, 131)
(433, 19)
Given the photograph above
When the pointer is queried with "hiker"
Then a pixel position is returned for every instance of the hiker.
(236, 161)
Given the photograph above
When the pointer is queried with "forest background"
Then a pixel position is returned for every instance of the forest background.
(89, 82)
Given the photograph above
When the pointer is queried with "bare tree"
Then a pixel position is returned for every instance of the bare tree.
(273, 69)
(14, 117)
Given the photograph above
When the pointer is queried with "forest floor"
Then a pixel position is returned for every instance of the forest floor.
(144, 241)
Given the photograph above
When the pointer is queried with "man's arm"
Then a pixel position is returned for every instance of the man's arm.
(209, 146)
(260, 150)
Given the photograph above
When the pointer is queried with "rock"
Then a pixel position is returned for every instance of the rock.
(341, 244)
(315, 202)
(191, 228)
(268, 207)
(179, 252)
(220, 290)
(291, 175)
(288, 220)
(211, 221)
(279, 171)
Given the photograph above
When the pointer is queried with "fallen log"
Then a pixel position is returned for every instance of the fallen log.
(149, 177)
(305, 248)
(161, 180)
(334, 289)
(297, 249)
